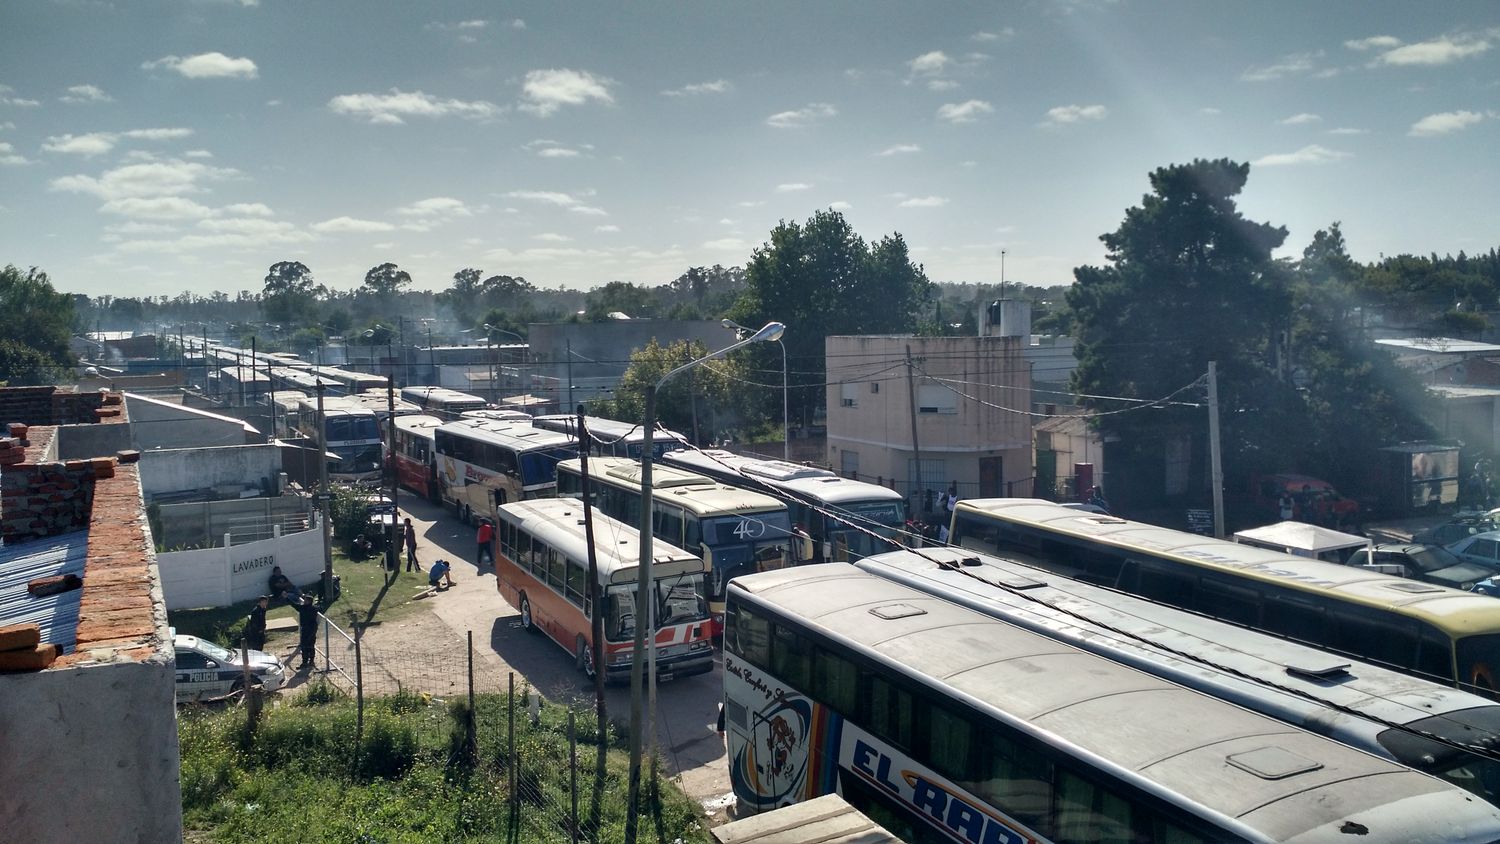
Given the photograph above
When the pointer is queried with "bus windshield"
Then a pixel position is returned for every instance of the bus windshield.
(680, 600)
(748, 528)
(540, 467)
(888, 513)
(347, 428)
(357, 458)
(1478, 660)
(1469, 771)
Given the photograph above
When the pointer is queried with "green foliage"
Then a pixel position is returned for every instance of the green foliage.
(714, 393)
(35, 325)
(348, 511)
(820, 278)
(1462, 323)
(385, 282)
(290, 295)
(633, 300)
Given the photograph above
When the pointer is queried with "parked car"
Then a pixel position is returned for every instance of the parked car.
(206, 671)
(1317, 502)
(1427, 563)
(1481, 548)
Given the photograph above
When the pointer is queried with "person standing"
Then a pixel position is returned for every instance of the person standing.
(485, 538)
(1287, 506)
(411, 546)
(307, 619)
(255, 625)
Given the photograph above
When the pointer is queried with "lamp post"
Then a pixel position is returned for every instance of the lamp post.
(643, 590)
(786, 429)
(490, 332)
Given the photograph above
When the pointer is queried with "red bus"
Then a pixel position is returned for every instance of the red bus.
(416, 458)
(542, 570)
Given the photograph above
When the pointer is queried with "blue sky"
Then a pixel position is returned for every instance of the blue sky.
(151, 147)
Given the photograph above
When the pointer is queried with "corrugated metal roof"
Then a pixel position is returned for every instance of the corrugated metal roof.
(57, 615)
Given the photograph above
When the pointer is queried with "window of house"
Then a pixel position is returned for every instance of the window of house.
(936, 398)
(849, 394)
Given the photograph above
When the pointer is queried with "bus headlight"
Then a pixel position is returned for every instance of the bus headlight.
(700, 645)
(621, 659)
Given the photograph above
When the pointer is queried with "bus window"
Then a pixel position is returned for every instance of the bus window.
(888, 712)
(1017, 779)
(578, 579)
(950, 740)
(668, 524)
(1434, 654)
(1384, 639)
(557, 564)
(1295, 617)
(1086, 812)
(1478, 662)
(1164, 584)
(752, 636)
(1229, 601)
(539, 554)
(835, 681)
(790, 660)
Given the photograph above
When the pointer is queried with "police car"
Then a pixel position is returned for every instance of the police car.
(206, 671)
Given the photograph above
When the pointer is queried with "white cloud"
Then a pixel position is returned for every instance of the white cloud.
(718, 86)
(755, 203)
(9, 156)
(899, 149)
(1210, 111)
(1063, 115)
(839, 206)
(6, 99)
(1286, 66)
(964, 112)
(727, 244)
(1344, 130)
(246, 225)
(198, 153)
(558, 152)
(248, 209)
(392, 108)
(351, 225)
(923, 202)
(809, 113)
(1435, 52)
(546, 91)
(157, 208)
(1375, 42)
(474, 24)
(561, 200)
(88, 145)
(607, 229)
(1444, 123)
(941, 84)
(1300, 119)
(206, 66)
(438, 207)
(929, 64)
(552, 237)
(159, 134)
(792, 187)
(154, 178)
(986, 37)
(518, 24)
(1311, 154)
(82, 94)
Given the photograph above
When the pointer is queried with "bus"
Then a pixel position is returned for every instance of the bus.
(443, 402)
(286, 378)
(734, 530)
(380, 403)
(1422, 629)
(542, 571)
(611, 437)
(483, 464)
(247, 383)
(1449, 733)
(497, 414)
(945, 725)
(843, 519)
(353, 435)
(347, 382)
(284, 412)
(416, 457)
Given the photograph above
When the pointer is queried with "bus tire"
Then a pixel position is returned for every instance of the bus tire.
(1482, 678)
(583, 655)
(527, 623)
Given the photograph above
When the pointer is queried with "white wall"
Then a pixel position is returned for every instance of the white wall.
(170, 470)
(161, 424)
(218, 577)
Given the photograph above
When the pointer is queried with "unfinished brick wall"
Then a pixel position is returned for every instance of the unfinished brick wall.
(116, 609)
(51, 406)
(46, 499)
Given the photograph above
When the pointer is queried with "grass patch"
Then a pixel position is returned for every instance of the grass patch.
(295, 777)
(363, 598)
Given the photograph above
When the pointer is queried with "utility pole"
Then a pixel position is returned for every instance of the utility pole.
(596, 619)
(323, 497)
(1215, 461)
(643, 600)
(568, 364)
(392, 555)
(916, 448)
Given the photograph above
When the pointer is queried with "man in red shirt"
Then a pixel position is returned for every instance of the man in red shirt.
(485, 539)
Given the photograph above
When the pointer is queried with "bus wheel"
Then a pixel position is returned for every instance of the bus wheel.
(584, 657)
(526, 622)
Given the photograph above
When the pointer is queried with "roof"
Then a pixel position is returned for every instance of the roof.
(515, 435)
(57, 615)
(697, 494)
(1460, 391)
(1441, 345)
(559, 523)
(823, 820)
(1303, 536)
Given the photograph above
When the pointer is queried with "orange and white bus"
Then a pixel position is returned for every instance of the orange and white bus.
(542, 570)
(416, 455)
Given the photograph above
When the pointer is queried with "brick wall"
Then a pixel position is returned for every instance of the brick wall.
(118, 607)
(46, 499)
(51, 406)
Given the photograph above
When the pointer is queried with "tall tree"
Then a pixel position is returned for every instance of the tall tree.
(821, 279)
(290, 294)
(386, 281)
(633, 300)
(1189, 281)
(712, 394)
(35, 324)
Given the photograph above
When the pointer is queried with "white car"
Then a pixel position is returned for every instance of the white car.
(206, 671)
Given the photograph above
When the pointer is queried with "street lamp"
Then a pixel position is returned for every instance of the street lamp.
(490, 331)
(786, 430)
(645, 594)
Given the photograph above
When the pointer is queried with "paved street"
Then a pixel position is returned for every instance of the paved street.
(686, 708)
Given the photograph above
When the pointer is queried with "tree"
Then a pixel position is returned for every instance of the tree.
(35, 325)
(385, 282)
(1190, 280)
(618, 297)
(290, 294)
(821, 279)
(712, 394)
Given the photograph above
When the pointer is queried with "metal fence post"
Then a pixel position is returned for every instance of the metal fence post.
(327, 656)
(471, 738)
(510, 750)
(573, 777)
(359, 697)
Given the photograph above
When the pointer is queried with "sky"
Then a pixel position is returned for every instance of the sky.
(151, 147)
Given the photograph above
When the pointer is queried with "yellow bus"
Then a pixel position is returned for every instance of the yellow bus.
(1422, 629)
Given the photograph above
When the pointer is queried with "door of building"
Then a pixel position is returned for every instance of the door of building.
(991, 477)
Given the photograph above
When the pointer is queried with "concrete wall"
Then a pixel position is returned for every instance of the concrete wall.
(160, 424)
(166, 471)
(80, 442)
(205, 522)
(218, 577)
(90, 753)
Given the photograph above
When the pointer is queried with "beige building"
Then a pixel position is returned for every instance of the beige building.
(970, 408)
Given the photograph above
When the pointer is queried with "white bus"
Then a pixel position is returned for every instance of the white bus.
(611, 437)
(542, 571)
(735, 531)
(377, 401)
(442, 402)
(1438, 730)
(844, 519)
(483, 464)
(353, 435)
(497, 414)
(943, 724)
(416, 455)
(284, 412)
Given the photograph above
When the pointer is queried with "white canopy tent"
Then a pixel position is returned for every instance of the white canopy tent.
(1304, 540)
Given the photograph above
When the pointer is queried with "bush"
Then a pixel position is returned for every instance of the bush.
(390, 749)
